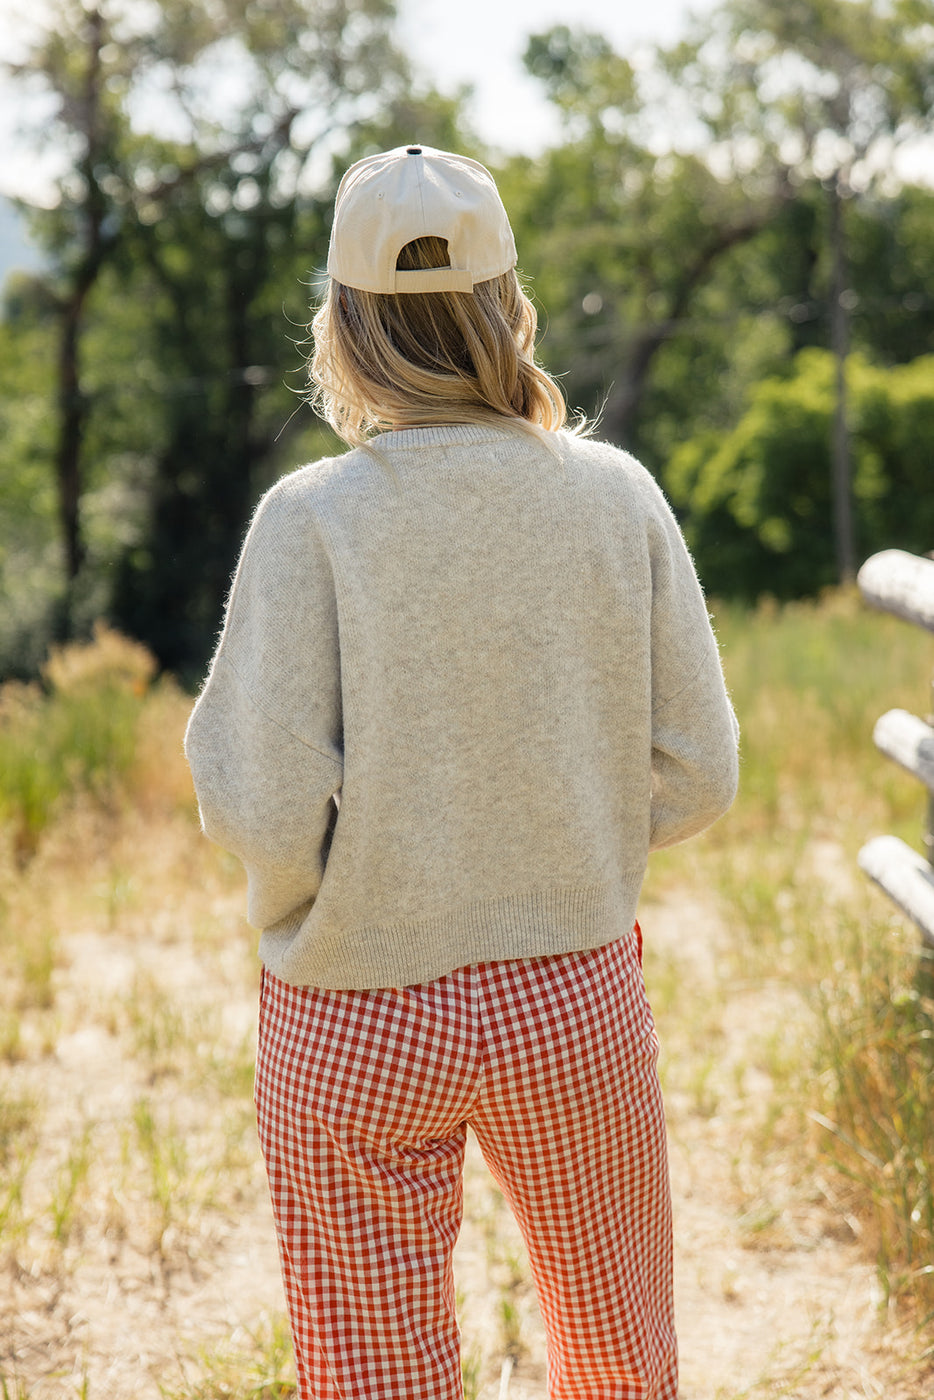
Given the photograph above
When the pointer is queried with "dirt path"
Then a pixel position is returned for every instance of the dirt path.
(140, 1262)
(775, 1295)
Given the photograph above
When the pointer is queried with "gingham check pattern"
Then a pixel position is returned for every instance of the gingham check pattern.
(363, 1102)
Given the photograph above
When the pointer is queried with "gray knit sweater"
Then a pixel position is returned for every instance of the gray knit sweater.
(466, 681)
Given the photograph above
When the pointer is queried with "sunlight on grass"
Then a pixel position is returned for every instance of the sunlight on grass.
(794, 1007)
(848, 1053)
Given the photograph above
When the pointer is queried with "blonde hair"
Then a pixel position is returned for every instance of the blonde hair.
(420, 358)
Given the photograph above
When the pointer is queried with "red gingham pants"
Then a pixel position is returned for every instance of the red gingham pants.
(363, 1102)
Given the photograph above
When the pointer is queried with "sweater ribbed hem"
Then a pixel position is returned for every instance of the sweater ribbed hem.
(536, 924)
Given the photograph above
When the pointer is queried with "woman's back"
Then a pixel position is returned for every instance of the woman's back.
(505, 617)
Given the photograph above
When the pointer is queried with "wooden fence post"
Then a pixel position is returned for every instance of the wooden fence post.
(903, 584)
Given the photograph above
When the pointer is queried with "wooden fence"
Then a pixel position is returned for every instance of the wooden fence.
(904, 584)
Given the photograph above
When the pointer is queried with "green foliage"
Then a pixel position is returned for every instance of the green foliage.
(180, 259)
(619, 242)
(226, 293)
(77, 735)
(672, 278)
(891, 251)
(582, 74)
(757, 500)
(30, 556)
(676, 284)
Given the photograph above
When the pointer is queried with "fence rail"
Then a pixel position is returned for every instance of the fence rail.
(900, 583)
(903, 584)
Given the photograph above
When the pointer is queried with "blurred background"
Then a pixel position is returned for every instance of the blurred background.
(725, 213)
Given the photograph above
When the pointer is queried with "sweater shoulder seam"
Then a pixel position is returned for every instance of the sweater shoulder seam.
(688, 685)
(272, 718)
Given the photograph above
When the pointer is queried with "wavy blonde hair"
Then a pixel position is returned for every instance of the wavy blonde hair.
(420, 358)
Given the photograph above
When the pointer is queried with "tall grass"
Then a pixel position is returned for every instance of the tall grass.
(844, 1056)
(809, 681)
(878, 1047)
(74, 733)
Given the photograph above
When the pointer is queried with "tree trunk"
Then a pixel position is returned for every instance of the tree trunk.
(622, 406)
(72, 408)
(71, 418)
(841, 465)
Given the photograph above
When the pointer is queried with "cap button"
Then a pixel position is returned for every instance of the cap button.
(414, 151)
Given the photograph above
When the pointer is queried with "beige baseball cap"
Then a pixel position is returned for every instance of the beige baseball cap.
(387, 200)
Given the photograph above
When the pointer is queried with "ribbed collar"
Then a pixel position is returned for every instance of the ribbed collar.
(454, 433)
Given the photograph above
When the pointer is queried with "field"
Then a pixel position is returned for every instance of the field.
(137, 1256)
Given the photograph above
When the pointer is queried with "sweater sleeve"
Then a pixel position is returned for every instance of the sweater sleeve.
(264, 740)
(695, 735)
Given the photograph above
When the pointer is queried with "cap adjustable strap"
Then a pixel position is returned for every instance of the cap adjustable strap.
(434, 279)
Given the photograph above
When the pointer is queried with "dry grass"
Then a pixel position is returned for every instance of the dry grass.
(136, 1245)
(847, 1054)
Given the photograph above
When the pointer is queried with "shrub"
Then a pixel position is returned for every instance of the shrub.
(75, 732)
(757, 501)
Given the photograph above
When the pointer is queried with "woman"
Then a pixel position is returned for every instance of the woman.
(466, 682)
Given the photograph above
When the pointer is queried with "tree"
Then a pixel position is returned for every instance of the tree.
(758, 502)
(223, 290)
(28, 534)
(251, 95)
(624, 229)
(827, 90)
(70, 60)
(765, 130)
(229, 267)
